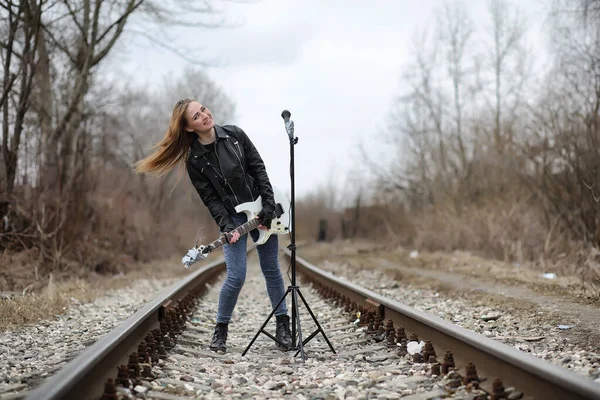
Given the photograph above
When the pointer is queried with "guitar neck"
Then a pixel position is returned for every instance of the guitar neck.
(242, 230)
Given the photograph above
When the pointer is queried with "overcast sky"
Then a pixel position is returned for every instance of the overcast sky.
(335, 64)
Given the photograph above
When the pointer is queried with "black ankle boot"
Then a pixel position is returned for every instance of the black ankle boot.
(282, 333)
(219, 338)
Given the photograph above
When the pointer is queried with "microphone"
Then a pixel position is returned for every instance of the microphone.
(289, 124)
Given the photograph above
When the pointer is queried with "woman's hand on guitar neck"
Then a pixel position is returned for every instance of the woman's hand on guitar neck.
(232, 237)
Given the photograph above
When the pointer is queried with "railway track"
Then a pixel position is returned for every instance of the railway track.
(161, 352)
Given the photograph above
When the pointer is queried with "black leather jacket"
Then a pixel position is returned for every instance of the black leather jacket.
(240, 171)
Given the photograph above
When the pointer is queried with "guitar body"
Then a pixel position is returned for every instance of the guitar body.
(279, 226)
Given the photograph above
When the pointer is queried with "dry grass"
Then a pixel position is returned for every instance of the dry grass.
(505, 235)
(510, 240)
(52, 300)
(362, 253)
(55, 296)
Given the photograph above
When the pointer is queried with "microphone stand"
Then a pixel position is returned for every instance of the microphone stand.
(294, 289)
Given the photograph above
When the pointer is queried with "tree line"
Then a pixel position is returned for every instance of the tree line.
(495, 142)
(70, 134)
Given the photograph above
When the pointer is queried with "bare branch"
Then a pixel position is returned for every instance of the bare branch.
(8, 87)
(132, 6)
(73, 14)
(172, 13)
(119, 24)
(596, 200)
(59, 44)
(166, 46)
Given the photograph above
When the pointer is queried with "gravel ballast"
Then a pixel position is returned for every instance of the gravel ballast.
(28, 355)
(362, 367)
(523, 330)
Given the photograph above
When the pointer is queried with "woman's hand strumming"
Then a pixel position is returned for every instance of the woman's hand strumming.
(265, 216)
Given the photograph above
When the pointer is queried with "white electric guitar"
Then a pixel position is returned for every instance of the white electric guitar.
(279, 225)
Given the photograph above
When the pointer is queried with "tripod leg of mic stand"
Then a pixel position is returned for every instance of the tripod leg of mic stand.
(316, 322)
(300, 345)
(294, 317)
(266, 322)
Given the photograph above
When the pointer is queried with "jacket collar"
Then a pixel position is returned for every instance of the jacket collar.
(197, 148)
(221, 134)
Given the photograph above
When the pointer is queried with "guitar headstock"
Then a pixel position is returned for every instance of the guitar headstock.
(195, 254)
(279, 210)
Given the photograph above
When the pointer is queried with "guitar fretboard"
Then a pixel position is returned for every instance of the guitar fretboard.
(242, 230)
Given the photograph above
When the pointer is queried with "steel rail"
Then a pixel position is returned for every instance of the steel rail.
(84, 377)
(532, 376)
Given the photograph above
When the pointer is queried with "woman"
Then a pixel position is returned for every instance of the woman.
(235, 165)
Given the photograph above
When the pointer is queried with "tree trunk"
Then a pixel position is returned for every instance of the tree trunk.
(3, 186)
(48, 175)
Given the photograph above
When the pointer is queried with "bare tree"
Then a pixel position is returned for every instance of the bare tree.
(455, 34)
(417, 128)
(84, 34)
(76, 37)
(18, 53)
(431, 116)
(588, 9)
(508, 62)
(565, 132)
(55, 97)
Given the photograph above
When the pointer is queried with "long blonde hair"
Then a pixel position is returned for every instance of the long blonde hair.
(173, 147)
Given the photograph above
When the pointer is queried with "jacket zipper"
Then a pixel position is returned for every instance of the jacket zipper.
(241, 164)
(223, 175)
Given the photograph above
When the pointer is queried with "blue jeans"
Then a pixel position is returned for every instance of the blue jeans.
(235, 258)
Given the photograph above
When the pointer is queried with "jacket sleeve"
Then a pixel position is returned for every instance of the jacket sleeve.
(210, 199)
(257, 169)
